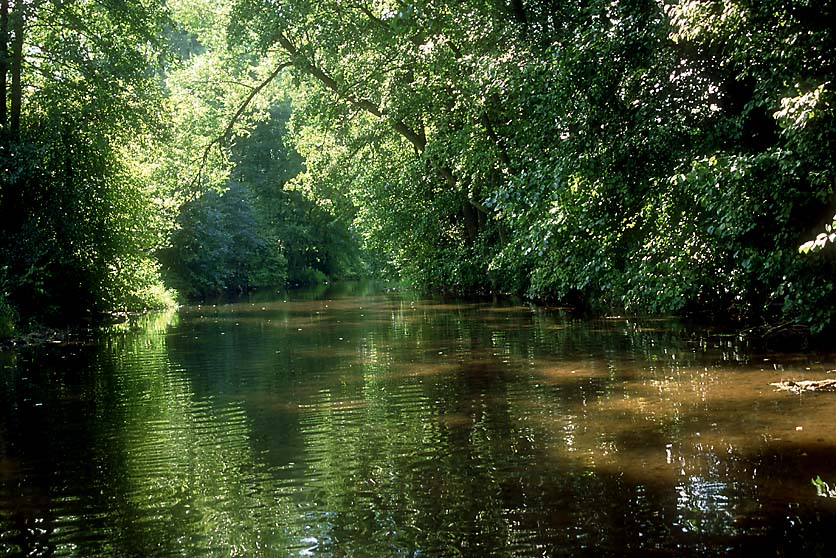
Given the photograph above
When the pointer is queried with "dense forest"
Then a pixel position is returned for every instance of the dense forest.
(642, 157)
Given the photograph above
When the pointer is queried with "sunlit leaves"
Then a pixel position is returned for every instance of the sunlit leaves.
(636, 154)
(823, 489)
(821, 240)
(694, 19)
(78, 204)
(797, 111)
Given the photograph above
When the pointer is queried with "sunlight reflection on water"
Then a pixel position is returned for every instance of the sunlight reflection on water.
(388, 425)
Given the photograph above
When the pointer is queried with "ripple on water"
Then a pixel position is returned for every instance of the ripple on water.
(408, 429)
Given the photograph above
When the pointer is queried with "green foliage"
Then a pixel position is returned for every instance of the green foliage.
(309, 276)
(664, 158)
(823, 489)
(79, 221)
(652, 158)
(257, 232)
(314, 235)
(219, 246)
(821, 240)
(240, 224)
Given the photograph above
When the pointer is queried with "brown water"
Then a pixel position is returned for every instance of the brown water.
(387, 425)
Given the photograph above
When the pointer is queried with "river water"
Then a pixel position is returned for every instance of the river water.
(352, 423)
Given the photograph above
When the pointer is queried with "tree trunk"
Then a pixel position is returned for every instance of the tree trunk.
(471, 220)
(519, 12)
(4, 64)
(17, 21)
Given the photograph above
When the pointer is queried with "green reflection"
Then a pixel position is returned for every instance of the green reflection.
(190, 472)
(386, 426)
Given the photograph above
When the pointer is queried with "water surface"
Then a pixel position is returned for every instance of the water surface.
(352, 424)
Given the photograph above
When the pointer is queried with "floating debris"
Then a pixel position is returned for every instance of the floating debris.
(806, 385)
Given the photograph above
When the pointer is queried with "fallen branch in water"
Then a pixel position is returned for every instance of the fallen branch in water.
(39, 337)
(806, 385)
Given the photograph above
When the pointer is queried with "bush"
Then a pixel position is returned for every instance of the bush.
(308, 276)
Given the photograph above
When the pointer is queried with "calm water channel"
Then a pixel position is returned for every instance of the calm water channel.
(349, 424)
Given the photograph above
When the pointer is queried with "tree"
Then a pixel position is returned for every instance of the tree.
(241, 224)
(82, 97)
(413, 72)
(630, 155)
(615, 155)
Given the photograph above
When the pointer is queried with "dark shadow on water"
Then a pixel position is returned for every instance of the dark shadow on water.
(381, 425)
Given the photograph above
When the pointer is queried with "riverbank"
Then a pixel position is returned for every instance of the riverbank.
(40, 336)
(14, 337)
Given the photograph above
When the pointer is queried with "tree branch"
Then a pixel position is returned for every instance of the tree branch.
(416, 139)
(238, 113)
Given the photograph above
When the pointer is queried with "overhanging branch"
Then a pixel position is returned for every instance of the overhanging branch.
(217, 141)
(417, 140)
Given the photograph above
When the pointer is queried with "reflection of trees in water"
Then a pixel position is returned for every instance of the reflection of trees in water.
(380, 426)
(190, 470)
(161, 471)
(48, 407)
(441, 462)
(599, 403)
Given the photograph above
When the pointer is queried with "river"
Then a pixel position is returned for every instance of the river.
(354, 422)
